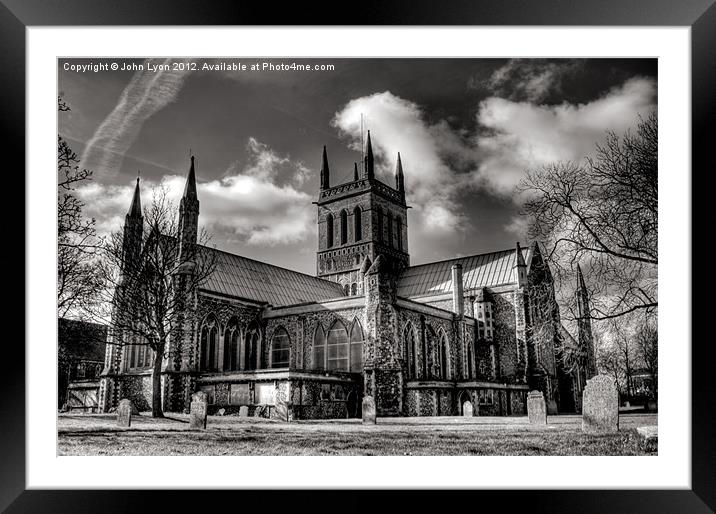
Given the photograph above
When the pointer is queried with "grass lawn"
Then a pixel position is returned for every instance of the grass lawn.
(97, 435)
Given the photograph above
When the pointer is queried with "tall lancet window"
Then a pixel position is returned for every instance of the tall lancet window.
(319, 348)
(358, 222)
(356, 347)
(231, 345)
(380, 224)
(209, 343)
(329, 230)
(390, 229)
(252, 347)
(410, 353)
(344, 227)
(337, 346)
(399, 232)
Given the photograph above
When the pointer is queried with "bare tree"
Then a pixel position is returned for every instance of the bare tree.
(602, 214)
(77, 241)
(147, 299)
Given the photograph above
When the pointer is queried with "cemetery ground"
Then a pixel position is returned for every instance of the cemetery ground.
(98, 434)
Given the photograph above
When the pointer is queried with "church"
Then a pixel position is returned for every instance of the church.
(469, 335)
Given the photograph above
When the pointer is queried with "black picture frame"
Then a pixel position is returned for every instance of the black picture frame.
(17, 15)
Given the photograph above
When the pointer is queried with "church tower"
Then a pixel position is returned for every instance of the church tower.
(585, 339)
(358, 219)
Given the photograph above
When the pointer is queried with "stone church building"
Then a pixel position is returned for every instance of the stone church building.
(468, 334)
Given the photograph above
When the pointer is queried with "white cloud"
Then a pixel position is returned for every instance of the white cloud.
(521, 135)
(530, 79)
(146, 93)
(250, 203)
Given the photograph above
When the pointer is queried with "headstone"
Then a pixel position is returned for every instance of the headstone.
(221, 412)
(124, 413)
(197, 411)
(648, 438)
(244, 411)
(536, 408)
(369, 413)
(467, 410)
(600, 406)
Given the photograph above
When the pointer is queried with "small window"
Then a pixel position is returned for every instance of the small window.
(354, 289)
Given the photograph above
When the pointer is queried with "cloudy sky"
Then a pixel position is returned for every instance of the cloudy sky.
(467, 129)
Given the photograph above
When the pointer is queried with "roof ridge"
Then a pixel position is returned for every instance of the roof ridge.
(525, 249)
(269, 264)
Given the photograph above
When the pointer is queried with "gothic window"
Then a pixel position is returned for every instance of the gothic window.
(431, 341)
(347, 290)
(356, 347)
(424, 348)
(357, 221)
(329, 231)
(280, 345)
(380, 224)
(252, 343)
(209, 343)
(410, 354)
(337, 347)
(399, 232)
(231, 345)
(354, 289)
(344, 227)
(390, 229)
(444, 356)
(469, 361)
(319, 348)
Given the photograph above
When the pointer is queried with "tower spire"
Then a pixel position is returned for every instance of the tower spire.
(369, 170)
(135, 209)
(325, 172)
(355, 172)
(580, 279)
(190, 188)
(399, 179)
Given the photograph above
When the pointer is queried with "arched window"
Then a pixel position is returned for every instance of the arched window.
(354, 289)
(209, 342)
(410, 355)
(347, 290)
(252, 347)
(380, 224)
(390, 229)
(280, 345)
(357, 221)
(469, 361)
(319, 348)
(399, 232)
(444, 356)
(423, 349)
(344, 227)
(329, 230)
(231, 345)
(356, 347)
(337, 347)
(431, 342)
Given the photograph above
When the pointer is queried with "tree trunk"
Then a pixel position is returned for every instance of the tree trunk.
(157, 383)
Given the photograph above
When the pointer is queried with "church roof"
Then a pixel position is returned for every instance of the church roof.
(254, 280)
(483, 270)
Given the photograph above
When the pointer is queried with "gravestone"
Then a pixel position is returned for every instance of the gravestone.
(221, 412)
(124, 413)
(600, 406)
(244, 411)
(648, 438)
(369, 413)
(536, 408)
(197, 411)
(467, 410)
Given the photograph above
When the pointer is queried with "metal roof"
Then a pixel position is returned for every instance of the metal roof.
(242, 277)
(484, 270)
